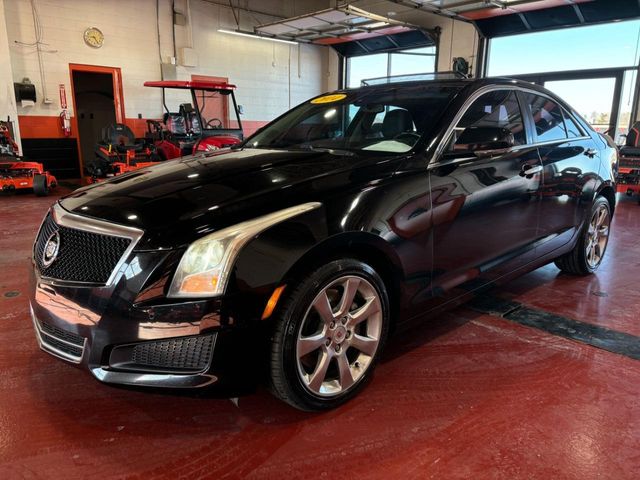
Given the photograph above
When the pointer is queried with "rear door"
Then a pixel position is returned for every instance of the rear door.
(570, 161)
(485, 208)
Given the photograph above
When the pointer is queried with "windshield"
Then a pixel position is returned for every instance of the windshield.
(390, 120)
(217, 109)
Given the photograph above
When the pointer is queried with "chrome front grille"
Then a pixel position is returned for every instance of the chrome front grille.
(88, 251)
(82, 256)
(56, 341)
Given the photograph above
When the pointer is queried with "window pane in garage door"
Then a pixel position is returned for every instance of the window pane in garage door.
(368, 66)
(598, 46)
(420, 60)
(404, 62)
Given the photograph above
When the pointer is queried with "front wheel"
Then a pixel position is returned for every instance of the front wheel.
(40, 187)
(328, 335)
(587, 255)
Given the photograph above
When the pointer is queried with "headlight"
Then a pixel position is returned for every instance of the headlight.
(206, 265)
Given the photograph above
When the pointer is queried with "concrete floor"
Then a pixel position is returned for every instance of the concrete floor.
(469, 395)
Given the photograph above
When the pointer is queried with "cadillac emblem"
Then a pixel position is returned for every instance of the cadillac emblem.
(51, 249)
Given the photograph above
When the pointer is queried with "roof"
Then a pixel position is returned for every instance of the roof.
(417, 80)
(473, 83)
(190, 84)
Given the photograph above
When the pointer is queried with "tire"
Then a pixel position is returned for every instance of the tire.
(338, 350)
(587, 255)
(40, 187)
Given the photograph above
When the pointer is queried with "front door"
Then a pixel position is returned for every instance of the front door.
(485, 204)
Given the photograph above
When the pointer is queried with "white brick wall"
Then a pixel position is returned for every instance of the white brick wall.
(262, 70)
(259, 68)
(7, 98)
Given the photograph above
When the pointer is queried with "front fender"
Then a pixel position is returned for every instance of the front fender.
(286, 251)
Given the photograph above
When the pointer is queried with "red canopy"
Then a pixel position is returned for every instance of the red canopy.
(190, 84)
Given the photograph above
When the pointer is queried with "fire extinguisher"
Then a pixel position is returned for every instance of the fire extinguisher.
(65, 122)
(65, 118)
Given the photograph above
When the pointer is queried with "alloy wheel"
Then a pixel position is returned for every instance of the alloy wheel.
(597, 236)
(339, 336)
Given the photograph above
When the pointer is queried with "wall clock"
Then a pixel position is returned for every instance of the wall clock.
(93, 37)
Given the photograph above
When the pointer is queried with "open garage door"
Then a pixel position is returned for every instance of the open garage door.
(594, 68)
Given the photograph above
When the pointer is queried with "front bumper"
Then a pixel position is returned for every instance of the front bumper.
(181, 345)
(63, 349)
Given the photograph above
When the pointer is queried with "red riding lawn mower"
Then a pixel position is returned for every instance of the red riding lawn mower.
(119, 152)
(628, 178)
(211, 125)
(18, 175)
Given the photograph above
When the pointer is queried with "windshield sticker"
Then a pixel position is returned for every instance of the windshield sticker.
(336, 97)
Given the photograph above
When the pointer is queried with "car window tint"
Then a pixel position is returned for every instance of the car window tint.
(547, 118)
(379, 118)
(498, 109)
(325, 124)
(573, 130)
(387, 120)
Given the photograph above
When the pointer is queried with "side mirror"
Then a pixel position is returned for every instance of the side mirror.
(485, 141)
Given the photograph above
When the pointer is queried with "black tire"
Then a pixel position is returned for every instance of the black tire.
(295, 312)
(576, 262)
(40, 187)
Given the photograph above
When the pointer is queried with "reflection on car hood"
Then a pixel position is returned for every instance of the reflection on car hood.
(175, 201)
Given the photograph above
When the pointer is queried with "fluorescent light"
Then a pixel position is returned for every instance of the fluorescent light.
(253, 35)
(375, 25)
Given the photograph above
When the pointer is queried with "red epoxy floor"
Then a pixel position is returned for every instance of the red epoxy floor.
(611, 298)
(467, 396)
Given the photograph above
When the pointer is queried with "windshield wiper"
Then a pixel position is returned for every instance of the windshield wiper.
(332, 151)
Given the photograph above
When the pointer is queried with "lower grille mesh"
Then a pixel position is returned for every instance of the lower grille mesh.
(188, 353)
(60, 334)
(64, 347)
(68, 343)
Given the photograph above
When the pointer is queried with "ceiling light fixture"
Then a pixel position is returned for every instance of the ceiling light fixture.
(376, 25)
(253, 35)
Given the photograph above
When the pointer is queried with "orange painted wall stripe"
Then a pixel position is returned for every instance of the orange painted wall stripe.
(45, 126)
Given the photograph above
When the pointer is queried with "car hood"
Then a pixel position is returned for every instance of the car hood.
(177, 201)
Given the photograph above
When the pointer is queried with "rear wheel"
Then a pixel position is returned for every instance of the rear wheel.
(40, 186)
(328, 335)
(587, 255)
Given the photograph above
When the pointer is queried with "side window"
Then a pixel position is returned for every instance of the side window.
(547, 118)
(573, 130)
(493, 117)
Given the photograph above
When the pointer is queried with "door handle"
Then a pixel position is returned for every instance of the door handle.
(590, 152)
(529, 170)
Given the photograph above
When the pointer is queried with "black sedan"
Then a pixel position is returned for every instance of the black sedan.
(293, 256)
